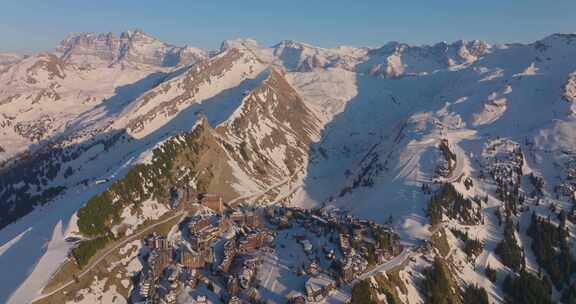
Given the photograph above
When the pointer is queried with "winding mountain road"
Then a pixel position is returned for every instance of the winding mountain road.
(396, 261)
(93, 264)
(459, 169)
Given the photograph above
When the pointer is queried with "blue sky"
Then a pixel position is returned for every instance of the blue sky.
(37, 25)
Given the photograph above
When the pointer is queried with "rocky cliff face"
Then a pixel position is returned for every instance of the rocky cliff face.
(270, 133)
(133, 47)
(398, 59)
(301, 57)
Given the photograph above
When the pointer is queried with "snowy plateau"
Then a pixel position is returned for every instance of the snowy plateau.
(450, 164)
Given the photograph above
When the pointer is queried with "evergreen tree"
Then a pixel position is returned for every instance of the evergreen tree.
(450, 202)
(527, 289)
(475, 295)
(546, 239)
(569, 294)
(362, 293)
(508, 249)
(439, 285)
(491, 274)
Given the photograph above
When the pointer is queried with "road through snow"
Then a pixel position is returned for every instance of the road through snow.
(396, 261)
(107, 253)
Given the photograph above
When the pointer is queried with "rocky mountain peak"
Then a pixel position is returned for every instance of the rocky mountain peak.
(203, 122)
(276, 99)
(396, 59)
(99, 46)
(240, 43)
(45, 64)
(132, 47)
(273, 128)
(136, 33)
(292, 44)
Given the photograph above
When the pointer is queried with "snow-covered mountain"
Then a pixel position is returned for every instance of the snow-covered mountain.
(380, 132)
(132, 47)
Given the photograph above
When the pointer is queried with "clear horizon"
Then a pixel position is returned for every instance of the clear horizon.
(30, 26)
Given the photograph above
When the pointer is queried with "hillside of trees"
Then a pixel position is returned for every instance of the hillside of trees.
(36, 172)
(508, 249)
(550, 245)
(526, 288)
(362, 293)
(475, 295)
(142, 182)
(450, 202)
(439, 285)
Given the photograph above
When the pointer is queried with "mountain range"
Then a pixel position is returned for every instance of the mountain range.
(379, 132)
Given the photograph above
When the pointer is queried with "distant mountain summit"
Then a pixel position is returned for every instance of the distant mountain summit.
(131, 47)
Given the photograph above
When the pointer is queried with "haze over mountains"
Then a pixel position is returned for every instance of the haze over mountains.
(369, 130)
